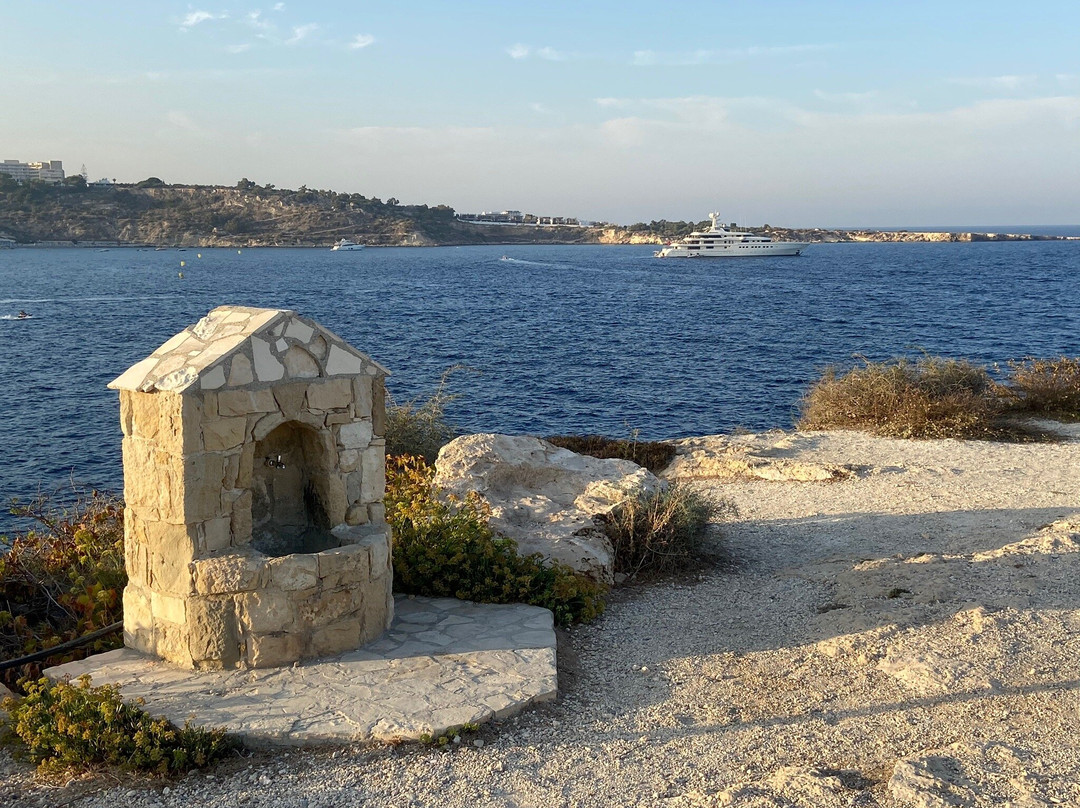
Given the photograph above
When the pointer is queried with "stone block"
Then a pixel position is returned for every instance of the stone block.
(357, 514)
(240, 371)
(240, 523)
(354, 481)
(298, 330)
(330, 394)
(326, 606)
(201, 486)
(356, 435)
(344, 565)
(379, 553)
(378, 407)
(245, 402)
(170, 608)
(378, 613)
(295, 572)
(137, 611)
(126, 424)
(339, 417)
(220, 434)
(373, 464)
(349, 460)
(376, 513)
(169, 573)
(267, 424)
(268, 368)
(266, 611)
(299, 364)
(236, 572)
(290, 398)
(340, 636)
(213, 639)
(362, 395)
(171, 644)
(247, 464)
(334, 500)
(274, 650)
(215, 535)
(231, 477)
(343, 362)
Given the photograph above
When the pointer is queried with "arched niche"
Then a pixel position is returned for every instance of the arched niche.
(290, 491)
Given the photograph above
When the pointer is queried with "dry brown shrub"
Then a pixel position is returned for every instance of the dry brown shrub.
(1047, 386)
(930, 397)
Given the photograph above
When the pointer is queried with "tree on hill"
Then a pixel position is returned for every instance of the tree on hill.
(150, 182)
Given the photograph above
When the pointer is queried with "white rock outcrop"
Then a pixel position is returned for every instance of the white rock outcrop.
(545, 498)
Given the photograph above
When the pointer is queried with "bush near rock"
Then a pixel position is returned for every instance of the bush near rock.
(547, 499)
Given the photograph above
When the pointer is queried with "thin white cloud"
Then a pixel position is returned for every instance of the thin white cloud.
(246, 46)
(302, 32)
(279, 6)
(193, 18)
(650, 58)
(521, 51)
(539, 109)
(609, 102)
(995, 82)
(361, 41)
(256, 21)
(551, 54)
(1068, 79)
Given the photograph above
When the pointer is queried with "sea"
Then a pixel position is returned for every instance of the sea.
(548, 339)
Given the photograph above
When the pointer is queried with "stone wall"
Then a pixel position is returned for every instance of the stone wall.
(199, 594)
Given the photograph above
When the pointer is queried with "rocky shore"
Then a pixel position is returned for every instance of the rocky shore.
(895, 623)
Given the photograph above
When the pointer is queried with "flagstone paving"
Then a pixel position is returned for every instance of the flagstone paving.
(442, 663)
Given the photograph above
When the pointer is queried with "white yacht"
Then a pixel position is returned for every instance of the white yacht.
(719, 242)
(345, 244)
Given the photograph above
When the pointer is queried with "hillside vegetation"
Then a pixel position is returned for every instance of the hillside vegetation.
(246, 215)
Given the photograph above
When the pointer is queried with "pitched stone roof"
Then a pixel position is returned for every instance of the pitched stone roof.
(238, 346)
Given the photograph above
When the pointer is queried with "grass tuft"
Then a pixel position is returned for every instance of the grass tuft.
(659, 533)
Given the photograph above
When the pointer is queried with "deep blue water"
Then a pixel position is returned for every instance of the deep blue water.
(562, 338)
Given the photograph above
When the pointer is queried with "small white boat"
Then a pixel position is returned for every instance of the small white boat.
(719, 242)
(347, 245)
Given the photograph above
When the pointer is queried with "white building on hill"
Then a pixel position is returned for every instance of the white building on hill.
(51, 171)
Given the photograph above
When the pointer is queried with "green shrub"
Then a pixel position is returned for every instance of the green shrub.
(77, 726)
(928, 398)
(660, 532)
(1047, 386)
(447, 549)
(61, 581)
(420, 428)
(652, 455)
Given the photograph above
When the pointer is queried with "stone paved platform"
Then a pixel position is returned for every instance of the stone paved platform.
(443, 663)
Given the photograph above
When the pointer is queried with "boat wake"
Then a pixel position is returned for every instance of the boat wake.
(507, 259)
(16, 317)
(103, 299)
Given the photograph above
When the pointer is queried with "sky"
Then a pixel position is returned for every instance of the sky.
(803, 114)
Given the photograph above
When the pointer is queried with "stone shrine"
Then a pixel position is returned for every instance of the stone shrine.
(254, 472)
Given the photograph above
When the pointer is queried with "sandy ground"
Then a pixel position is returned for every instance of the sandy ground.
(906, 634)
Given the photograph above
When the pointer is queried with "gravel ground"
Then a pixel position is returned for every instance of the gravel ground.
(906, 636)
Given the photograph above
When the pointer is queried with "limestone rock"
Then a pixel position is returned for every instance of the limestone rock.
(968, 775)
(545, 498)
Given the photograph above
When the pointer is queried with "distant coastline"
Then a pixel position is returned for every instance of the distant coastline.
(152, 214)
